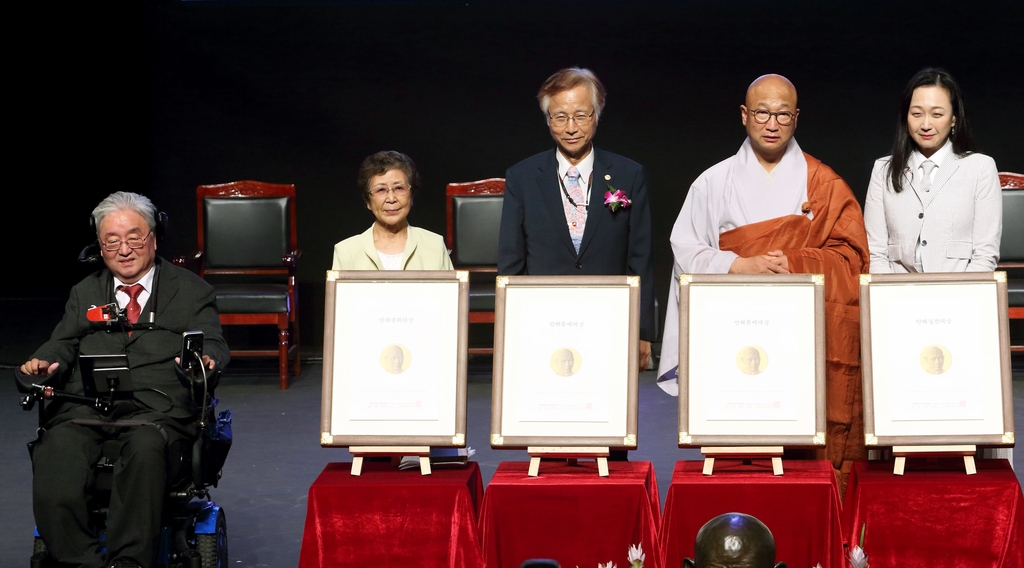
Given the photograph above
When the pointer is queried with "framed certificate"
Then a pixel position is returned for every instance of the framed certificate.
(565, 361)
(751, 360)
(936, 359)
(394, 371)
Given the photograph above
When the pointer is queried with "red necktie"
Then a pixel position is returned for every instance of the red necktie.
(133, 308)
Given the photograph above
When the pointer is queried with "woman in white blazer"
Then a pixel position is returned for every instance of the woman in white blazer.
(386, 183)
(933, 205)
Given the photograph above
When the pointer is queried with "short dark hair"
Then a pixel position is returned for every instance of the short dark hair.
(379, 164)
(903, 146)
(571, 78)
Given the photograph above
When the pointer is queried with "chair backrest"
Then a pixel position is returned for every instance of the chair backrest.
(473, 221)
(1010, 180)
(1011, 244)
(246, 226)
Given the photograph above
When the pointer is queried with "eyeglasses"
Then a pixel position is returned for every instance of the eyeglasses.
(132, 242)
(784, 118)
(581, 119)
(399, 189)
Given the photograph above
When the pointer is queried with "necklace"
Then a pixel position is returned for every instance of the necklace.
(565, 192)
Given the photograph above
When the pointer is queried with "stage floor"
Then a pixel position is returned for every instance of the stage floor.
(276, 456)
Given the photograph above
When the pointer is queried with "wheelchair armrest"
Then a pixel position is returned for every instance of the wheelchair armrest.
(27, 383)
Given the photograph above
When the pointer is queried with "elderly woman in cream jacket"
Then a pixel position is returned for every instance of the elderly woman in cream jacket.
(386, 182)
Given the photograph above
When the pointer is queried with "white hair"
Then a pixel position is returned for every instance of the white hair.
(125, 201)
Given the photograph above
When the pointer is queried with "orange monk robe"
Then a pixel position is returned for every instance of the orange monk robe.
(835, 244)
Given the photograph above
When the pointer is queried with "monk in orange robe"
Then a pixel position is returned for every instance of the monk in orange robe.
(772, 209)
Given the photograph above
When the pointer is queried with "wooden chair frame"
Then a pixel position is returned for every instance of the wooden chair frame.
(1009, 180)
(287, 322)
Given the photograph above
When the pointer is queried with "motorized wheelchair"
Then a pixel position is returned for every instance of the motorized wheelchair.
(193, 527)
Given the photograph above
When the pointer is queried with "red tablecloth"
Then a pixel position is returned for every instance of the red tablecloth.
(388, 517)
(936, 515)
(801, 507)
(570, 514)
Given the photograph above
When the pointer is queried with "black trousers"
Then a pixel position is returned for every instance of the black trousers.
(64, 475)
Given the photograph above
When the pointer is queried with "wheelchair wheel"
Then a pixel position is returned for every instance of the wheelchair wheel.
(40, 556)
(213, 548)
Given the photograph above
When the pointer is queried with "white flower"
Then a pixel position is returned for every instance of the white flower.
(636, 556)
(857, 557)
(818, 565)
(609, 565)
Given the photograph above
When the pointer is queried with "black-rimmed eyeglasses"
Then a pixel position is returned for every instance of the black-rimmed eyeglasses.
(783, 117)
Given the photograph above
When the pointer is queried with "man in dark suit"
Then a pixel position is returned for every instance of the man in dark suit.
(161, 302)
(578, 209)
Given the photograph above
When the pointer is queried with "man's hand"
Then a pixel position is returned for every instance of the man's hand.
(779, 259)
(775, 262)
(39, 367)
(645, 354)
(209, 363)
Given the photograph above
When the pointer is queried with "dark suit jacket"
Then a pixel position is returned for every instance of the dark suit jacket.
(535, 240)
(181, 301)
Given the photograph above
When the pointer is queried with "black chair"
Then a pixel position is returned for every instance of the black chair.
(473, 212)
(1011, 245)
(247, 244)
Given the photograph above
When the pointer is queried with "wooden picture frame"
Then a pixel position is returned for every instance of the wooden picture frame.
(566, 361)
(394, 371)
(935, 356)
(751, 360)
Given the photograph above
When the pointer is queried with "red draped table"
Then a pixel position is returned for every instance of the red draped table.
(936, 515)
(800, 507)
(391, 517)
(570, 514)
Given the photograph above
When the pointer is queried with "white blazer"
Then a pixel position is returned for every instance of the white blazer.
(959, 221)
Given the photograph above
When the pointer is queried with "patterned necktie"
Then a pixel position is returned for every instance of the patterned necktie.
(575, 215)
(133, 309)
(926, 182)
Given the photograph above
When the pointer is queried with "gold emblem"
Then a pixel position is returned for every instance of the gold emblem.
(459, 439)
(629, 441)
(685, 438)
(326, 439)
(497, 440)
(607, 177)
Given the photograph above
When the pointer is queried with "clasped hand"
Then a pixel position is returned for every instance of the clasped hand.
(773, 262)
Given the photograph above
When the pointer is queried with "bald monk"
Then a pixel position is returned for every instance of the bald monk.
(733, 540)
(772, 209)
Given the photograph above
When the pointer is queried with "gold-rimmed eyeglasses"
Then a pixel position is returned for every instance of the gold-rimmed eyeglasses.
(783, 117)
(399, 189)
(132, 242)
(580, 118)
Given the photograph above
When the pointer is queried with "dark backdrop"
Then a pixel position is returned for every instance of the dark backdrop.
(161, 97)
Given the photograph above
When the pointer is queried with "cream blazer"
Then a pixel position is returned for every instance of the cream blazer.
(959, 221)
(423, 251)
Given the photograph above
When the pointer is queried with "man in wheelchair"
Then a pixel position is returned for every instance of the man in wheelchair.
(155, 302)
